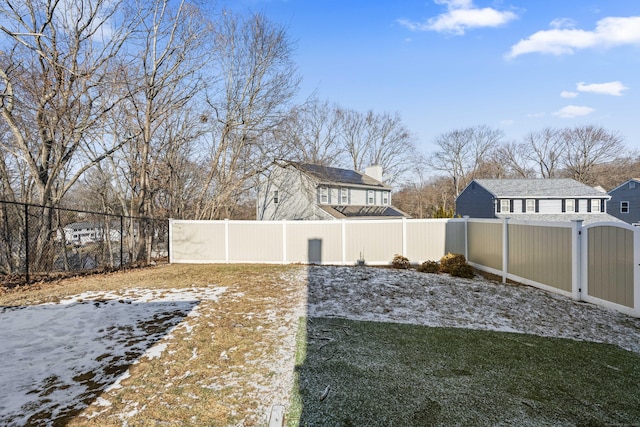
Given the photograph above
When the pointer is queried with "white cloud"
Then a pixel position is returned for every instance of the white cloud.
(567, 94)
(610, 88)
(609, 32)
(461, 15)
(562, 23)
(571, 111)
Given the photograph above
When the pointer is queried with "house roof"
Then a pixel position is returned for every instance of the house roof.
(587, 218)
(82, 225)
(539, 188)
(352, 211)
(330, 175)
(636, 180)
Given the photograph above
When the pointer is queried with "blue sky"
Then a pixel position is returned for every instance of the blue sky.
(516, 65)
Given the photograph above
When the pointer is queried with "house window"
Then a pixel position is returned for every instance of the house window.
(275, 197)
(371, 197)
(624, 207)
(569, 205)
(324, 195)
(505, 205)
(632, 185)
(531, 205)
(344, 196)
(385, 197)
(595, 205)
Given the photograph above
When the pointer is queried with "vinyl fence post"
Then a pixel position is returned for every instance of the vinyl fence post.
(466, 237)
(577, 261)
(26, 242)
(636, 272)
(169, 236)
(505, 249)
(404, 237)
(344, 241)
(284, 241)
(121, 241)
(226, 240)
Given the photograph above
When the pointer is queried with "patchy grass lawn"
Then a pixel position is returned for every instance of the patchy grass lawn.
(228, 358)
(224, 365)
(356, 373)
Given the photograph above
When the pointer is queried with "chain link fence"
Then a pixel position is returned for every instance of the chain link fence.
(40, 242)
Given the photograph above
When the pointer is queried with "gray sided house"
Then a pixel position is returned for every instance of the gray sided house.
(533, 200)
(303, 191)
(625, 202)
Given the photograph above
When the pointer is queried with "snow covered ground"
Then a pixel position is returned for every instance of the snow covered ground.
(406, 296)
(55, 357)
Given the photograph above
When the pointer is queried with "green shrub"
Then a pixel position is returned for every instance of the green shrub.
(462, 270)
(429, 267)
(450, 260)
(401, 262)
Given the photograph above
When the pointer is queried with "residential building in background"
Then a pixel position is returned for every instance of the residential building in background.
(303, 191)
(533, 200)
(625, 202)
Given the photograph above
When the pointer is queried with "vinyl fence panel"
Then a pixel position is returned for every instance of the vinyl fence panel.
(610, 260)
(485, 243)
(541, 253)
(251, 241)
(314, 242)
(377, 241)
(197, 241)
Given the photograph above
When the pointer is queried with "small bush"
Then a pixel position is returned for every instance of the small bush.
(429, 267)
(400, 262)
(462, 270)
(450, 260)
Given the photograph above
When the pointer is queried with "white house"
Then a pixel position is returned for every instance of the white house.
(303, 191)
(84, 232)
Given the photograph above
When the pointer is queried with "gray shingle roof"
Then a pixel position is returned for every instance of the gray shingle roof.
(331, 175)
(587, 218)
(539, 188)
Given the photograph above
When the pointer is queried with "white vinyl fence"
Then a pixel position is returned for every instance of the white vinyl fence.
(598, 263)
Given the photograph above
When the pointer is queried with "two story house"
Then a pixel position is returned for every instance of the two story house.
(533, 200)
(625, 201)
(303, 191)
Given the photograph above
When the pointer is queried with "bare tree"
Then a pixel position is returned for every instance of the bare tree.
(515, 159)
(377, 139)
(586, 147)
(310, 134)
(54, 68)
(257, 82)
(545, 150)
(462, 152)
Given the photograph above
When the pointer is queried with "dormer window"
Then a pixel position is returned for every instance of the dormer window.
(275, 197)
(371, 197)
(569, 205)
(505, 205)
(385, 198)
(595, 205)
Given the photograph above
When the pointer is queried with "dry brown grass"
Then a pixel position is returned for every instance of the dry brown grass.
(226, 366)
